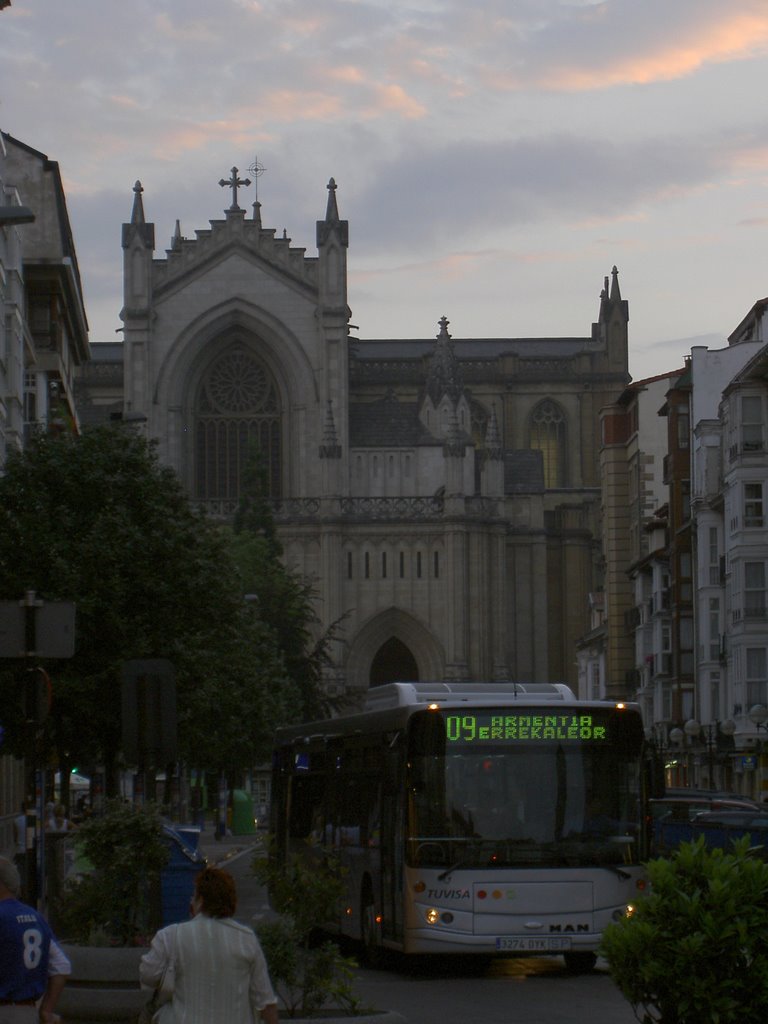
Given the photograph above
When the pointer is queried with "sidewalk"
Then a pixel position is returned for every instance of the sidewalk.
(219, 851)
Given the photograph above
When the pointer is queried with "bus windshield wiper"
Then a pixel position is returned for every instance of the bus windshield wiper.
(455, 867)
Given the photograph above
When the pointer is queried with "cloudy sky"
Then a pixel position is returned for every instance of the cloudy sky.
(494, 158)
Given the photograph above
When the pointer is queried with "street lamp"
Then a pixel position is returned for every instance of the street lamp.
(758, 716)
(710, 734)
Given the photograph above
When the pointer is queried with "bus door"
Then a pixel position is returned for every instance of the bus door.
(392, 843)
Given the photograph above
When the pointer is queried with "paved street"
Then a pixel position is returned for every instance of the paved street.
(516, 991)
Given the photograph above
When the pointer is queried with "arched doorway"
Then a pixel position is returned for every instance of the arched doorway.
(393, 662)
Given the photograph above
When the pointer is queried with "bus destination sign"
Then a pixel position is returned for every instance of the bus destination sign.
(511, 727)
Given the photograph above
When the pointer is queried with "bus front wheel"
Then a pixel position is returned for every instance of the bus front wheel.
(580, 963)
(372, 954)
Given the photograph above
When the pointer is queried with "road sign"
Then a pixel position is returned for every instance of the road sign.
(148, 698)
(52, 631)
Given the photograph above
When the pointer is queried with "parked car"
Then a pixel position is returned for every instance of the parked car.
(671, 816)
(743, 819)
(721, 829)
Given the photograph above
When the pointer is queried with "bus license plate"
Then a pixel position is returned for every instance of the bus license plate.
(532, 945)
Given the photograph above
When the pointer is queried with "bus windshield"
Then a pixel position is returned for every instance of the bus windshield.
(535, 787)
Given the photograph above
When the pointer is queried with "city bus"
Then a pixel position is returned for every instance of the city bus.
(484, 818)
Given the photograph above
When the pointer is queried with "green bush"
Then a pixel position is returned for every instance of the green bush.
(118, 902)
(307, 976)
(695, 950)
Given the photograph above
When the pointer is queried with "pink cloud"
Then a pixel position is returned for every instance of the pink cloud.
(394, 99)
(729, 37)
(195, 136)
(348, 73)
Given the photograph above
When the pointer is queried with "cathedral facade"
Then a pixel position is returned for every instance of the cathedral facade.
(442, 494)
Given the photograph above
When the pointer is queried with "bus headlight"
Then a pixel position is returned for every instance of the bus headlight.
(432, 915)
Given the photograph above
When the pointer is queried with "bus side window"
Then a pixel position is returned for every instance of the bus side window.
(304, 798)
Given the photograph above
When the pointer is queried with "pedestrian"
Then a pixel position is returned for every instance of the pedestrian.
(33, 968)
(49, 817)
(218, 967)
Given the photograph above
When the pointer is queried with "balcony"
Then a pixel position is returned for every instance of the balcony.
(745, 450)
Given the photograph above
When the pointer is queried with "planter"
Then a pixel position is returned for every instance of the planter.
(104, 985)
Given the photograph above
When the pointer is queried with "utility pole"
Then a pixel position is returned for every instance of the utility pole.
(31, 629)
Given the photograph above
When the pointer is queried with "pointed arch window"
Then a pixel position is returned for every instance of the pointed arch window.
(237, 404)
(547, 435)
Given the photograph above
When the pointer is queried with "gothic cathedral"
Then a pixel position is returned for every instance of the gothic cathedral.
(442, 494)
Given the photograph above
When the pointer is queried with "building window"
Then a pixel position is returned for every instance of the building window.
(752, 423)
(367, 565)
(418, 565)
(30, 397)
(547, 435)
(754, 590)
(437, 564)
(757, 683)
(714, 628)
(714, 695)
(402, 565)
(683, 426)
(237, 409)
(383, 565)
(594, 681)
(349, 565)
(685, 572)
(714, 557)
(753, 505)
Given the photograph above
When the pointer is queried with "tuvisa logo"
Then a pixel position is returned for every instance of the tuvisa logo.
(448, 894)
(566, 928)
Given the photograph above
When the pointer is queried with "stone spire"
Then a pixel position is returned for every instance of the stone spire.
(330, 447)
(454, 444)
(615, 293)
(138, 227)
(444, 374)
(332, 225)
(492, 473)
(137, 214)
(332, 210)
(493, 446)
(611, 333)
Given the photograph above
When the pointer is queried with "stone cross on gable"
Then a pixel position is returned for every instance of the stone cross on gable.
(234, 183)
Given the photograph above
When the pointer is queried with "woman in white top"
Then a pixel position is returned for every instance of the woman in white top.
(220, 974)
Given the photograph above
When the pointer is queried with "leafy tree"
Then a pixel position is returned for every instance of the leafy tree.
(117, 903)
(308, 976)
(283, 600)
(97, 520)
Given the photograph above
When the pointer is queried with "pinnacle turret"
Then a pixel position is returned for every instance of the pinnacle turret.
(493, 445)
(444, 374)
(137, 213)
(332, 225)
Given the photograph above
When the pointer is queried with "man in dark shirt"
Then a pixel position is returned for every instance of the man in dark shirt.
(32, 966)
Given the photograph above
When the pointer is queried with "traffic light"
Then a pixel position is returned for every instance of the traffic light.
(38, 694)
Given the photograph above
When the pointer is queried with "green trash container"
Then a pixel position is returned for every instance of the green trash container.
(242, 813)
